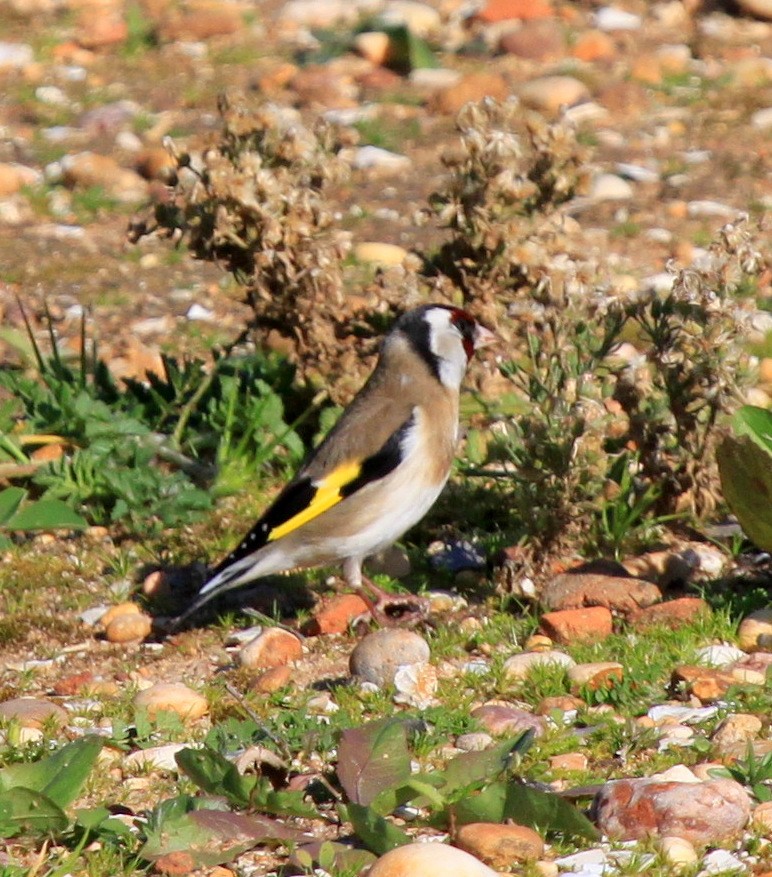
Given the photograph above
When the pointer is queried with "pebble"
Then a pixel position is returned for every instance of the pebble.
(376, 253)
(33, 712)
(156, 757)
(762, 119)
(637, 172)
(498, 718)
(599, 674)
(611, 18)
(15, 55)
(672, 712)
(133, 627)
(569, 761)
(762, 819)
(619, 593)
(755, 630)
(551, 93)
(709, 812)
(119, 610)
(198, 313)
(470, 87)
(759, 8)
(475, 741)
(335, 614)
(519, 666)
(720, 862)
(719, 655)
(678, 852)
(571, 625)
(273, 680)
(416, 685)
(610, 187)
(700, 209)
(734, 733)
(500, 845)
(173, 697)
(273, 647)
(375, 158)
(672, 614)
(379, 655)
(429, 860)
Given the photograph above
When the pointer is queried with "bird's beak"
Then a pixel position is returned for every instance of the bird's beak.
(484, 337)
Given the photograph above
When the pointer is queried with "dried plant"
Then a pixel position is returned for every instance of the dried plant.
(256, 202)
(508, 175)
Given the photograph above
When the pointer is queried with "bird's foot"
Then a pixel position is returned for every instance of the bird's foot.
(389, 609)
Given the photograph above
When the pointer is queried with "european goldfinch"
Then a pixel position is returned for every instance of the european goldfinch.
(378, 471)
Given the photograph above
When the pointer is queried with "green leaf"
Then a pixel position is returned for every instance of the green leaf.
(745, 466)
(544, 811)
(372, 758)
(476, 768)
(755, 422)
(10, 500)
(212, 837)
(25, 811)
(59, 777)
(376, 833)
(216, 775)
(407, 51)
(46, 514)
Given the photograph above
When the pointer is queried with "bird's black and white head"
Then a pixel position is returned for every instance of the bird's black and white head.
(444, 337)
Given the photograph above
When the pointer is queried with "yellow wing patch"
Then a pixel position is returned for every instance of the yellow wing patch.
(328, 494)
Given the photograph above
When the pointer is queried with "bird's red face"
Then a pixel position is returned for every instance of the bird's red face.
(473, 335)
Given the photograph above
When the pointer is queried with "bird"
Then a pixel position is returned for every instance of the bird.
(378, 471)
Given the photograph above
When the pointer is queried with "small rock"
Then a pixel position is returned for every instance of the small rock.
(500, 719)
(86, 169)
(719, 655)
(471, 87)
(672, 614)
(375, 46)
(133, 627)
(721, 862)
(551, 93)
(379, 655)
(519, 666)
(15, 55)
(429, 860)
(475, 741)
(374, 158)
(610, 187)
(735, 732)
(600, 674)
(678, 852)
(538, 642)
(755, 630)
(13, 178)
(202, 22)
(120, 610)
(75, 683)
(762, 119)
(536, 41)
(710, 209)
(272, 680)
(669, 713)
(572, 625)
(507, 10)
(499, 845)
(610, 18)
(569, 761)
(157, 757)
(710, 812)
(377, 253)
(559, 703)
(754, 668)
(335, 614)
(173, 697)
(705, 683)
(273, 647)
(618, 593)
(416, 685)
(33, 712)
(593, 45)
(637, 172)
(762, 819)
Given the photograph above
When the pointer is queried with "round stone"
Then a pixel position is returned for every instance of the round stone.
(380, 654)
